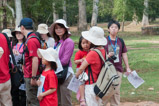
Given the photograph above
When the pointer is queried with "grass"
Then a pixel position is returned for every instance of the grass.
(145, 61)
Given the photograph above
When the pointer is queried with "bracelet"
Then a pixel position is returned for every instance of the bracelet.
(34, 77)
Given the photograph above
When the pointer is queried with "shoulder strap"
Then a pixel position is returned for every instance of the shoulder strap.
(100, 54)
(11, 52)
(122, 42)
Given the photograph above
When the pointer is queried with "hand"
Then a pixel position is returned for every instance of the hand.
(33, 82)
(82, 60)
(40, 97)
(128, 71)
(38, 82)
(110, 54)
(15, 52)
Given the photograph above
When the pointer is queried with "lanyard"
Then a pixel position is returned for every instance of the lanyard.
(114, 46)
(19, 47)
(56, 46)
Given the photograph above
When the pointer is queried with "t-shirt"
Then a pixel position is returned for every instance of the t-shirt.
(19, 47)
(33, 44)
(79, 55)
(119, 51)
(50, 82)
(50, 42)
(4, 60)
(95, 62)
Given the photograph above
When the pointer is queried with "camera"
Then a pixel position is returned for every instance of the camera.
(113, 57)
(20, 61)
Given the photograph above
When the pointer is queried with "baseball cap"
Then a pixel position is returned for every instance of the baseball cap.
(27, 23)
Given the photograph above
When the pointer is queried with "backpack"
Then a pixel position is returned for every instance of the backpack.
(107, 81)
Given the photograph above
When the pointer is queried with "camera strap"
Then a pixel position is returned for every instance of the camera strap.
(113, 46)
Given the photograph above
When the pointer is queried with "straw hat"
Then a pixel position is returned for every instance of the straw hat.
(17, 29)
(1, 52)
(59, 21)
(49, 54)
(42, 29)
(95, 35)
(8, 32)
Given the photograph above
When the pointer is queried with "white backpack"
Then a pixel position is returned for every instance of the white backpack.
(107, 81)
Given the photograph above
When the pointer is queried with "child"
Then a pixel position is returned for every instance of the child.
(84, 46)
(47, 91)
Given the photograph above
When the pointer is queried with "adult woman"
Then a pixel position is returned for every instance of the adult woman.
(45, 35)
(96, 36)
(65, 46)
(18, 94)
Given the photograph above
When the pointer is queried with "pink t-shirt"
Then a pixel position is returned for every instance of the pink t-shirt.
(19, 47)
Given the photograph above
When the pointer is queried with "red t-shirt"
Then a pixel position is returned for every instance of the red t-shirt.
(119, 51)
(79, 55)
(50, 82)
(95, 62)
(4, 60)
(33, 44)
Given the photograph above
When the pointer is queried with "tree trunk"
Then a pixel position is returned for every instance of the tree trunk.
(64, 11)
(94, 13)
(145, 20)
(4, 15)
(19, 15)
(55, 15)
(82, 24)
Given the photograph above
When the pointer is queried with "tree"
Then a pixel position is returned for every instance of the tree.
(145, 20)
(55, 14)
(18, 9)
(82, 23)
(94, 13)
(64, 10)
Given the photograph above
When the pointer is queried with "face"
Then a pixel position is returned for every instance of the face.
(113, 29)
(45, 62)
(22, 29)
(44, 36)
(19, 35)
(85, 44)
(59, 30)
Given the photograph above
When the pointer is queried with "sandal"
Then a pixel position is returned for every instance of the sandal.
(82, 102)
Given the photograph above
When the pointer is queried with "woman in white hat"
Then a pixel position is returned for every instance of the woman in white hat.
(64, 46)
(96, 36)
(18, 41)
(47, 91)
(45, 35)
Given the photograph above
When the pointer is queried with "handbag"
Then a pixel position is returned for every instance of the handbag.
(61, 76)
(15, 73)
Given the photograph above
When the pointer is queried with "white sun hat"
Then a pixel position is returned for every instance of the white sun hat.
(48, 54)
(1, 52)
(42, 29)
(8, 32)
(61, 21)
(95, 35)
(17, 29)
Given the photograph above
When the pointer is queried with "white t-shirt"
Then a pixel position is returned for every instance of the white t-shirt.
(50, 42)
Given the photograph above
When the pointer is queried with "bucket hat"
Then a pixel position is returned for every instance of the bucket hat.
(48, 54)
(1, 52)
(95, 35)
(59, 21)
(8, 32)
(17, 29)
(42, 29)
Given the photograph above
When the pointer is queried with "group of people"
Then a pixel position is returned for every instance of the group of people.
(45, 90)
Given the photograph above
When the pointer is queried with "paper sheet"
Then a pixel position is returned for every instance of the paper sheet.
(59, 66)
(42, 80)
(74, 84)
(135, 80)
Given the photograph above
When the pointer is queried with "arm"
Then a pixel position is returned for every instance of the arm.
(34, 69)
(125, 58)
(40, 97)
(79, 61)
(82, 68)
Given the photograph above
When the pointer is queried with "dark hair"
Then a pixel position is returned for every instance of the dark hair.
(113, 22)
(48, 34)
(56, 37)
(53, 66)
(79, 43)
(15, 40)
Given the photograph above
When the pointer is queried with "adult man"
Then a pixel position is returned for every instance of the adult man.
(117, 46)
(31, 61)
(5, 83)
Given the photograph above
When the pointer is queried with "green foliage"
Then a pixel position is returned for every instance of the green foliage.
(153, 9)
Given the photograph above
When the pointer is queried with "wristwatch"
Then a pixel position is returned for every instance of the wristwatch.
(34, 77)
